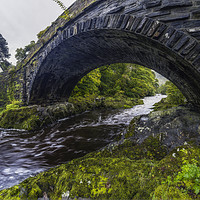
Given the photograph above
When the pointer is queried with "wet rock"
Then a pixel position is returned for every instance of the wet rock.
(174, 127)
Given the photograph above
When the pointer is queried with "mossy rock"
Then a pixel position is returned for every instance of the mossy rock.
(169, 192)
(104, 178)
(171, 164)
(20, 118)
(109, 174)
(151, 148)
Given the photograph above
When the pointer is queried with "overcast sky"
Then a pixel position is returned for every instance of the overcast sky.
(22, 20)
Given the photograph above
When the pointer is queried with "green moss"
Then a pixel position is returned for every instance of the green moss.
(19, 118)
(164, 104)
(112, 174)
(151, 148)
(90, 178)
(121, 102)
(131, 129)
(169, 192)
(13, 105)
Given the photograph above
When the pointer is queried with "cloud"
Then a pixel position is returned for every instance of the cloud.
(22, 20)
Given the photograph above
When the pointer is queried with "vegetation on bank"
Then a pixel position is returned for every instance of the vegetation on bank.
(115, 86)
(174, 97)
(122, 170)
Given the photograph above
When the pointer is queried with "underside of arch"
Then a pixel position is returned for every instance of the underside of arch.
(76, 56)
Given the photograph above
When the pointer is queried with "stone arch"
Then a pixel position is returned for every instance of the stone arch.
(76, 50)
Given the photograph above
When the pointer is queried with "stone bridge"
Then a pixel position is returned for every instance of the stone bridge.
(163, 35)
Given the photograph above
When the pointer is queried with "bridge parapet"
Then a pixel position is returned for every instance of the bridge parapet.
(73, 11)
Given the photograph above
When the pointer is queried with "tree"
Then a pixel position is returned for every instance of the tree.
(127, 79)
(119, 79)
(174, 95)
(4, 53)
(88, 85)
(21, 53)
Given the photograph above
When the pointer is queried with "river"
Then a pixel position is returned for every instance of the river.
(24, 154)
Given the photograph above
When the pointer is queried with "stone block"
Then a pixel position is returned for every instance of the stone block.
(136, 23)
(71, 31)
(116, 10)
(175, 3)
(159, 31)
(106, 21)
(82, 26)
(111, 21)
(93, 23)
(153, 28)
(196, 35)
(99, 22)
(194, 53)
(88, 24)
(181, 43)
(120, 20)
(168, 33)
(133, 9)
(192, 43)
(196, 13)
(175, 18)
(65, 34)
(125, 21)
(159, 13)
(197, 62)
(147, 26)
(115, 21)
(174, 39)
(141, 25)
(151, 4)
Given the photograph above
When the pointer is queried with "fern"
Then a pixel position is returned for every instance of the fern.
(63, 7)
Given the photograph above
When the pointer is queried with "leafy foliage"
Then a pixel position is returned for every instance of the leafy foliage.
(21, 53)
(62, 6)
(88, 85)
(127, 79)
(174, 97)
(174, 94)
(118, 80)
(189, 177)
(184, 184)
(4, 54)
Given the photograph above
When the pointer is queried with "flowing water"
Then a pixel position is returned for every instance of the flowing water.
(24, 154)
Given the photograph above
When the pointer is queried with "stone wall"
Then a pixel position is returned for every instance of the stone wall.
(11, 86)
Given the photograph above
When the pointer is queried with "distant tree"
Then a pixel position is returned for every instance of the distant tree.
(88, 85)
(21, 53)
(128, 80)
(4, 54)
(174, 95)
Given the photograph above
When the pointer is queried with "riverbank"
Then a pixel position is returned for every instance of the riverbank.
(35, 117)
(157, 163)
